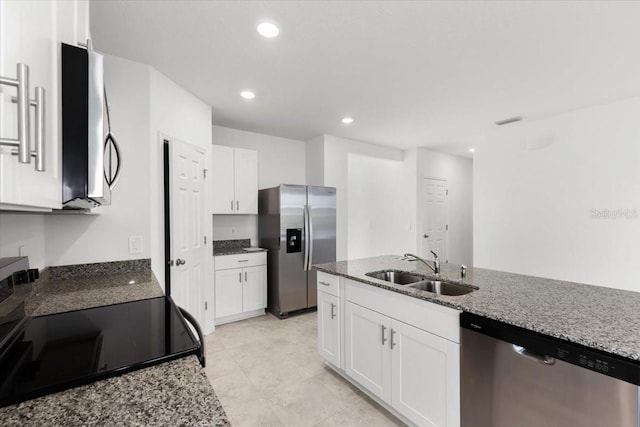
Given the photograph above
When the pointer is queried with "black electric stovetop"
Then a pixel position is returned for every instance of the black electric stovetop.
(55, 352)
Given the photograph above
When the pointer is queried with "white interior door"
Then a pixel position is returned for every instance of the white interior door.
(187, 228)
(434, 217)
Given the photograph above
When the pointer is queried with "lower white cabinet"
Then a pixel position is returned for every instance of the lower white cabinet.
(413, 371)
(240, 292)
(329, 327)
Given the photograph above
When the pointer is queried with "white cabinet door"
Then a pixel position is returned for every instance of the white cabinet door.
(367, 350)
(425, 376)
(254, 288)
(223, 197)
(29, 35)
(246, 181)
(329, 327)
(228, 292)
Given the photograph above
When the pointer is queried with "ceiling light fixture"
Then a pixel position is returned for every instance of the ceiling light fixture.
(268, 29)
(509, 120)
(472, 150)
(347, 120)
(247, 94)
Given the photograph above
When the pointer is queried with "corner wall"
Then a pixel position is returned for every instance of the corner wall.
(546, 193)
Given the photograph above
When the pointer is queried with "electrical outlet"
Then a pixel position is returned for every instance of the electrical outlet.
(135, 244)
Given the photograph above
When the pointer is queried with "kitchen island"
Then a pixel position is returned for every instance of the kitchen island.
(176, 392)
(602, 318)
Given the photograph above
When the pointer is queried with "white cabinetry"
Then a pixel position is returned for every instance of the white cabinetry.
(240, 286)
(329, 319)
(235, 180)
(31, 33)
(401, 350)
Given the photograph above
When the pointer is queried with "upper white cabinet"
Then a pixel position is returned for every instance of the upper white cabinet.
(31, 33)
(235, 180)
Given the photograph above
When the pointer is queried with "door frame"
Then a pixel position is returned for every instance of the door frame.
(421, 209)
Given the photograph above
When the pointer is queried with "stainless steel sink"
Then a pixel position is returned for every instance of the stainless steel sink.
(397, 277)
(441, 287)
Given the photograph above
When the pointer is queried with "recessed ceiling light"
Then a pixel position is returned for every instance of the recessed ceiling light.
(347, 120)
(472, 150)
(247, 94)
(268, 29)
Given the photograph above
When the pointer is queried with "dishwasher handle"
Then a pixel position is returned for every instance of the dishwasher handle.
(536, 357)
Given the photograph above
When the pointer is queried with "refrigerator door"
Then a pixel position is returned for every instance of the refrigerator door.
(290, 289)
(321, 208)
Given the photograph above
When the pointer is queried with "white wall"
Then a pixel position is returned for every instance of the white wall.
(280, 161)
(533, 206)
(23, 230)
(336, 164)
(380, 193)
(458, 171)
(77, 239)
(314, 163)
(178, 114)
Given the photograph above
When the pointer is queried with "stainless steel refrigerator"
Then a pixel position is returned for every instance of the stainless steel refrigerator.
(297, 224)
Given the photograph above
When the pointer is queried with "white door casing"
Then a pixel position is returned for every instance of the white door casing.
(434, 217)
(187, 228)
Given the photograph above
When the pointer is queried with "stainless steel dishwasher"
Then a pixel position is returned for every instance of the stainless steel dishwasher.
(512, 377)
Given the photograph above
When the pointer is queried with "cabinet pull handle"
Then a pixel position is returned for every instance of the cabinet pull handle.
(325, 283)
(232, 206)
(245, 276)
(21, 82)
(243, 260)
(38, 153)
(240, 277)
(384, 339)
(237, 205)
(333, 314)
(393, 344)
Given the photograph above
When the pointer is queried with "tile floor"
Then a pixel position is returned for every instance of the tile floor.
(267, 372)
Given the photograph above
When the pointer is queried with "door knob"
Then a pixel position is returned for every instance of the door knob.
(180, 262)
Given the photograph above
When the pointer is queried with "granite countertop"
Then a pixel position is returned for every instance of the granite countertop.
(175, 393)
(171, 393)
(234, 247)
(236, 251)
(606, 319)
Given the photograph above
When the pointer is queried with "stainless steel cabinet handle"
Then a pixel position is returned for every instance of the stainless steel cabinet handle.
(245, 276)
(21, 82)
(240, 277)
(243, 260)
(325, 283)
(333, 314)
(540, 358)
(237, 205)
(384, 339)
(38, 153)
(392, 344)
(232, 205)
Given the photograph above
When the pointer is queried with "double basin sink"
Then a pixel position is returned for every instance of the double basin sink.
(423, 283)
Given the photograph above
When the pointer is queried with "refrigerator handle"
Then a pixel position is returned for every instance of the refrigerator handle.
(310, 244)
(306, 239)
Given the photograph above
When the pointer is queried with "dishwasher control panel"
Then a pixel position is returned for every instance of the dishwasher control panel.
(595, 360)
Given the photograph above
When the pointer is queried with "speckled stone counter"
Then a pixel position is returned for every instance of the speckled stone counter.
(234, 247)
(175, 393)
(602, 318)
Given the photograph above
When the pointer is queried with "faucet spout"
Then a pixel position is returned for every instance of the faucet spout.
(436, 261)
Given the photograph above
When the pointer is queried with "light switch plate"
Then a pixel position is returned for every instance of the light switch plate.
(135, 244)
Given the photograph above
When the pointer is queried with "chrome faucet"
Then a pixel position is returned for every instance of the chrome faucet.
(436, 261)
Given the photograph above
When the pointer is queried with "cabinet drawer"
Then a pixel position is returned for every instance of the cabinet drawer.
(328, 283)
(222, 262)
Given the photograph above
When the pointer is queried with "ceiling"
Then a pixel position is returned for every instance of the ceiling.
(435, 74)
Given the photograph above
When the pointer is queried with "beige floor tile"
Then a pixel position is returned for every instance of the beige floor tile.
(267, 372)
